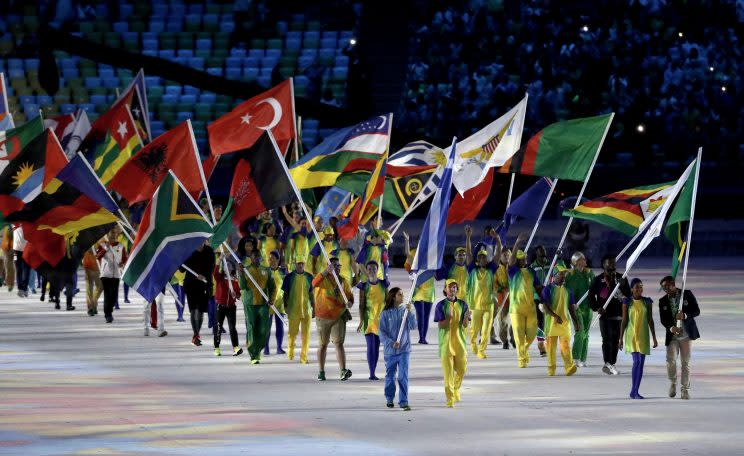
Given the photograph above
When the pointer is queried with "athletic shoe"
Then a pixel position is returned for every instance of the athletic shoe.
(457, 395)
(279, 351)
(217, 352)
(571, 370)
(237, 351)
(109, 319)
(70, 307)
(672, 390)
(126, 301)
(147, 332)
(162, 333)
(373, 377)
(390, 404)
(424, 342)
(450, 404)
(606, 369)
(543, 354)
(505, 346)
(494, 341)
(267, 353)
(482, 355)
(255, 361)
(685, 394)
(304, 361)
(614, 370)
(513, 344)
(41, 298)
(406, 408)
(195, 341)
(551, 373)
(321, 376)
(56, 306)
(90, 313)
(345, 374)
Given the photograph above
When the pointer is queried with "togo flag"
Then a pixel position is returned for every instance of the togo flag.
(172, 229)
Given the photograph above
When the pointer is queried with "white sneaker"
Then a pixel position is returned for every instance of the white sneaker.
(606, 369)
(614, 370)
(147, 331)
(582, 364)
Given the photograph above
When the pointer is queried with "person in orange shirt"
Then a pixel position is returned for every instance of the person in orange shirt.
(93, 285)
(331, 315)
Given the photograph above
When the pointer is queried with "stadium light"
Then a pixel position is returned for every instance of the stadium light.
(585, 28)
(680, 34)
(723, 88)
(711, 69)
(640, 128)
(352, 41)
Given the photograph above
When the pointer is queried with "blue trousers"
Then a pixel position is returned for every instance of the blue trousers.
(397, 363)
(423, 312)
(211, 311)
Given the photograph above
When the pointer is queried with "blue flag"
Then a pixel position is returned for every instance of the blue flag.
(527, 206)
(332, 204)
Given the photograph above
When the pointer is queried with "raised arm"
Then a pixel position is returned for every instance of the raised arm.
(290, 219)
(468, 245)
(517, 244)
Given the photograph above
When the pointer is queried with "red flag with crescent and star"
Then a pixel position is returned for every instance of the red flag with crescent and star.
(240, 128)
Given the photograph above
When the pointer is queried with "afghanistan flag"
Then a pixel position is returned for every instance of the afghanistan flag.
(174, 150)
(27, 172)
(564, 150)
(112, 140)
(172, 229)
(402, 185)
(624, 210)
(681, 214)
(354, 148)
(260, 182)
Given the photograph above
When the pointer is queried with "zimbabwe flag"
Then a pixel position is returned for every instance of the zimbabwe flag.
(624, 210)
(564, 150)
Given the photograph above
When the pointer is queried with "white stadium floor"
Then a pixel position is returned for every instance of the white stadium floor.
(70, 384)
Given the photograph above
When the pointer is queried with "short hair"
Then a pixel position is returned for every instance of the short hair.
(607, 256)
(666, 279)
(576, 257)
(274, 253)
(488, 229)
(635, 281)
(372, 262)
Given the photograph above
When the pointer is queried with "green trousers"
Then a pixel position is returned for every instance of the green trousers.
(581, 338)
(257, 327)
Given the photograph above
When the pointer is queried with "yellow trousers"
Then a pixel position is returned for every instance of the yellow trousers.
(454, 368)
(480, 326)
(524, 327)
(565, 342)
(295, 324)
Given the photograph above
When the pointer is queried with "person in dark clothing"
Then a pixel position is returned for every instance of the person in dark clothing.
(610, 316)
(198, 287)
(678, 338)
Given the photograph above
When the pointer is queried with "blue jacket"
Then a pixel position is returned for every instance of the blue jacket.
(390, 321)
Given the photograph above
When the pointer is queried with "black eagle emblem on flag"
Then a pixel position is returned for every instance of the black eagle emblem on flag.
(152, 162)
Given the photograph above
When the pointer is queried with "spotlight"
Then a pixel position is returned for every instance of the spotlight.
(711, 69)
(723, 88)
(352, 41)
(640, 128)
(680, 34)
(585, 29)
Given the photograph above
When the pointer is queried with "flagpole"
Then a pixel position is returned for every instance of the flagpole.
(382, 196)
(294, 115)
(511, 189)
(201, 172)
(578, 199)
(689, 233)
(539, 217)
(407, 301)
(211, 225)
(307, 215)
(414, 205)
(298, 125)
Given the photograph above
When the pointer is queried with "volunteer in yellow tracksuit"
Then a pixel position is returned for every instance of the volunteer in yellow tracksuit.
(329, 243)
(277, 275)
(453, 317)
(481, 298)
(297, 288)
(522, 286)
(372, 294)
(558, 304)
(459, 269)
(502, 296)
(423, 293)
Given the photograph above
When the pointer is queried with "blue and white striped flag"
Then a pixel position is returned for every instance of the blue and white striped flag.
(418, 153)
(433, 239)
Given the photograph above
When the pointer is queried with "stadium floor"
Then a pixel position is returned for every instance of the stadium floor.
(69, 384)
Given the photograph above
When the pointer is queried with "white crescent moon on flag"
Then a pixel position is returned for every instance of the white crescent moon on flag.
(277, 112)
(384, 119)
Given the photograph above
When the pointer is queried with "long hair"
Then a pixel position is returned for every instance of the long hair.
(390, 298)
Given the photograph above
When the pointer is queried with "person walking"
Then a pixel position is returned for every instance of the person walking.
(453, 317)
(611, 316)
(637, 324)
(112, 257)
(578, 281)
(396, 353)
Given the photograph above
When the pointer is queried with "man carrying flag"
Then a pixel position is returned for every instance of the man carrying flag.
(6, 120)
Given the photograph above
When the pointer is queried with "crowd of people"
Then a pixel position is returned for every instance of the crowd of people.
(493, 296)
(671, 71)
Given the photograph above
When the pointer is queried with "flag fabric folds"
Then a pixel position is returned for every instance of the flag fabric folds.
(78, 174)
(172, 229)
(224, 227)
(6, 119)
(430, 251)
(135, 97)
(14, 140)
(375, 187)
(418, 153)
(354, 148)
(240, 128)
(332, 203)
(526, 206)
(174, 150)
(467, 206)
(679, 218)
(61, 125)
(74, 134)
(564, 150)
(624, 210)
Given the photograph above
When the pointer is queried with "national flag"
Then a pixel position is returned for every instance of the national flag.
(14, 140)
(624, 210)
(467, 206)
(564, 150)
(526, 206)
(489, 147)
(658, 220)
(418, 153)
(375, 188)
(112, 140)
(174, 150)
(172, 229)
(80, 175)
(332, 203)
(260, 182)
(29, 171)
(430, 250)
(307, 194)
(6, 119)
(61, 125)
(224, 227)
(135, 97)
(240, 128)
(354, 148)
(678, 220)
(402, 185)
(80, 128)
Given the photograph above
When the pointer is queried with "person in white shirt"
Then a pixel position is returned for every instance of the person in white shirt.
(21, 267)
(112, 257)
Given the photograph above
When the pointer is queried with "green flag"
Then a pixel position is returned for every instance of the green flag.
(679, 218)
(224, 227)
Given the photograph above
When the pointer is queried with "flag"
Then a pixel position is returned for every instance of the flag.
(354, 148)
(402, 185)
(418, 153)
(240, 128)
(6, 119)
(80, 175)
(14, 140)
(526, 206)
(61, 125)
(224, 227)
(112, 140)
(172, 229)
(332, 204)
(467, 206)
(624, 210)
(433, 239)
(679, 218)
(29, 171)
(657, 221)
(135, 97)
(564, 150)
(491, 146)
(174, 150)
(375, 187)
(72, 137)
(260, 182)
(307, 194)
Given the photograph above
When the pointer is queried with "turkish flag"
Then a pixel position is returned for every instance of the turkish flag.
(240, 128)
(465, 208)
(141, 175)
